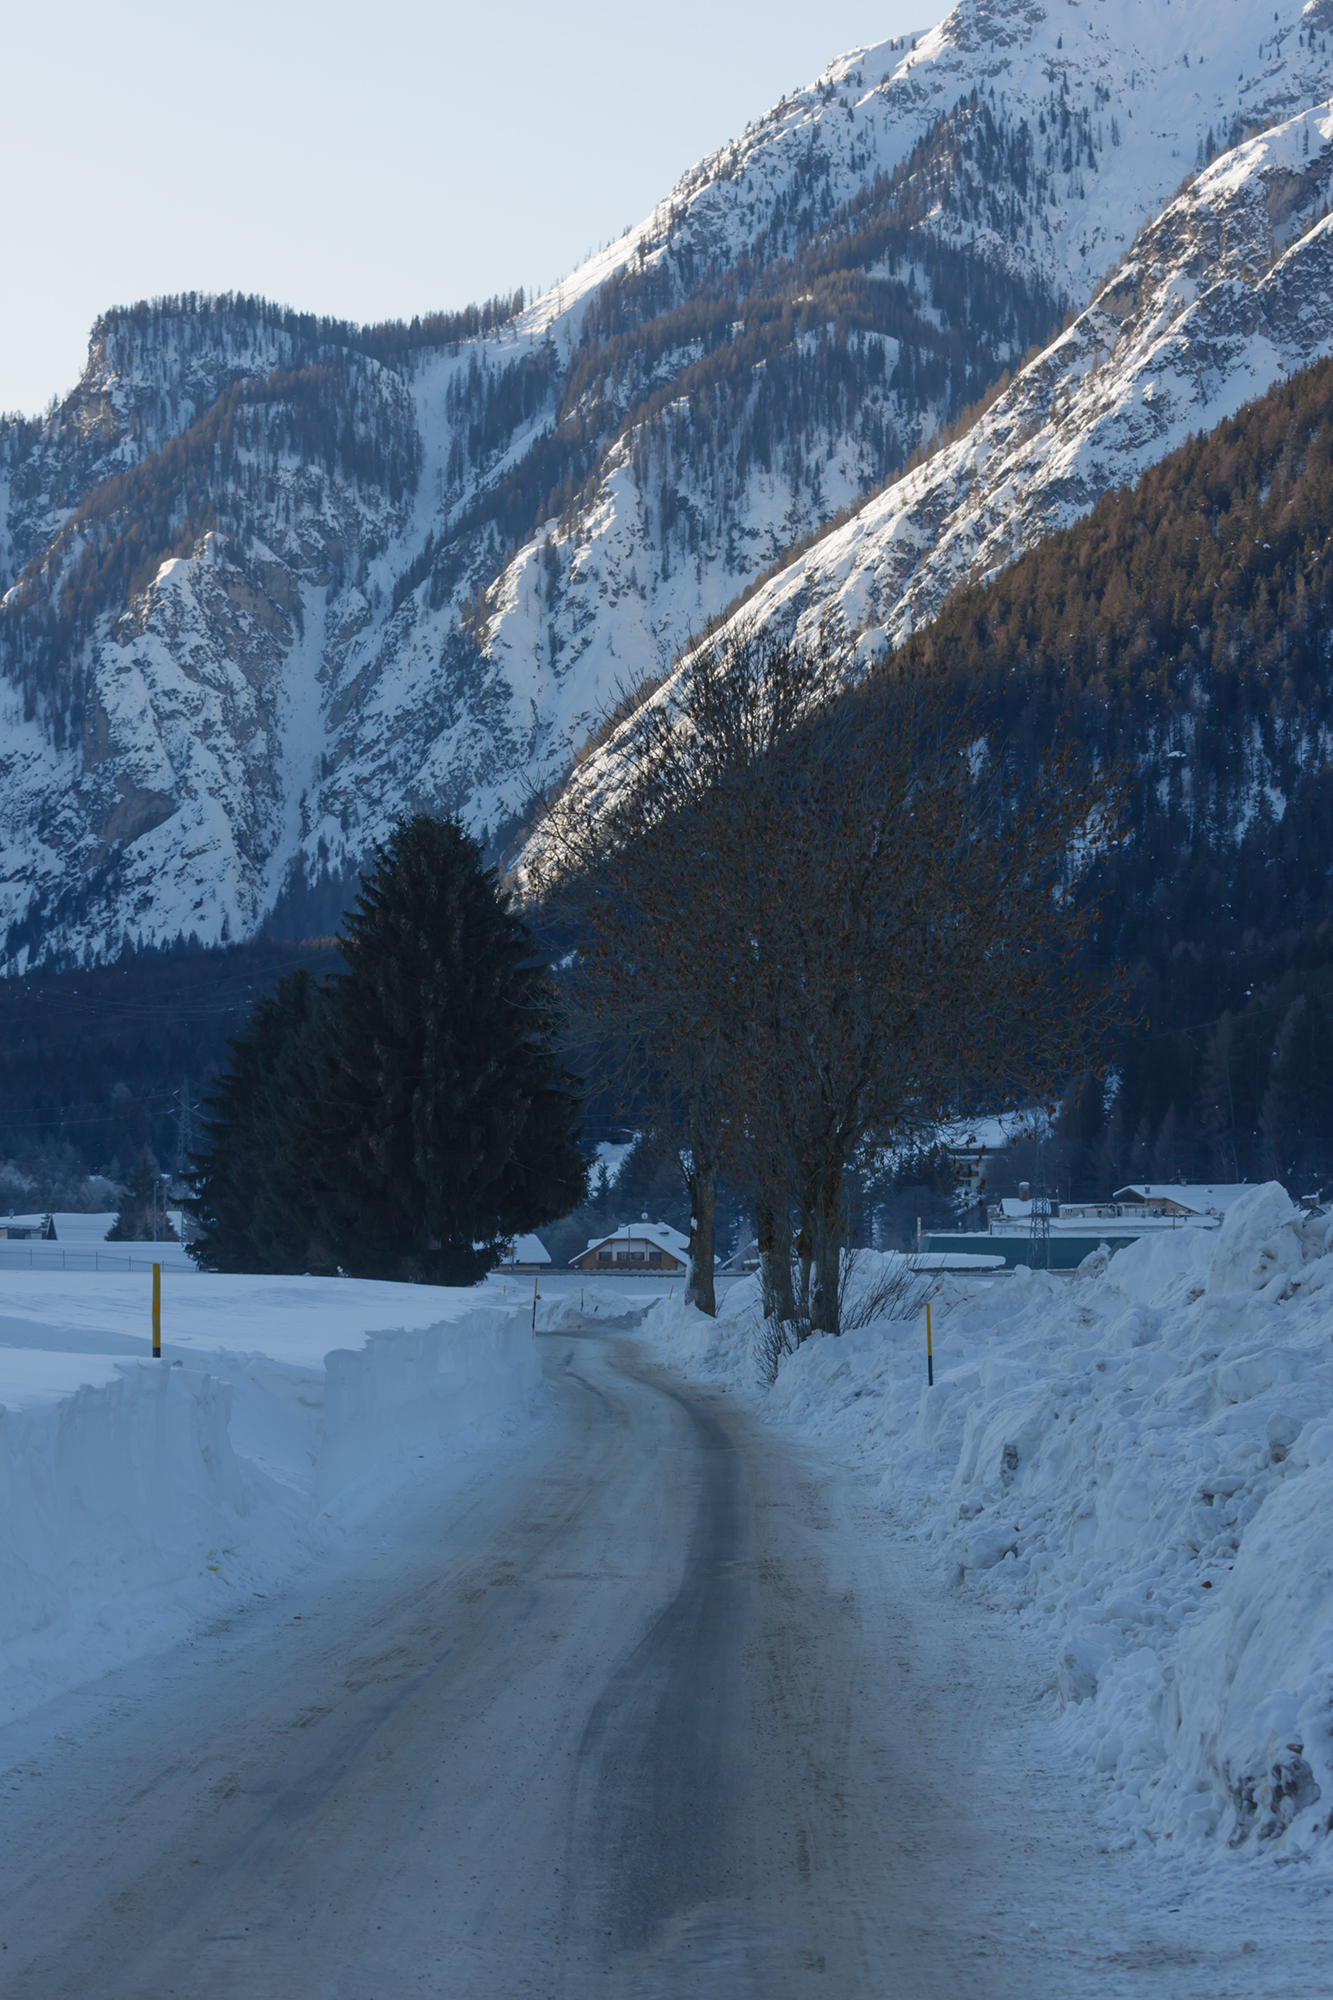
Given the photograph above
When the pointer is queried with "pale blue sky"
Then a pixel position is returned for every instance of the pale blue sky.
(368, 162)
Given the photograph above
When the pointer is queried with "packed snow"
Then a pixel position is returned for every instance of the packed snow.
(1137, 1462)
(138, 1496)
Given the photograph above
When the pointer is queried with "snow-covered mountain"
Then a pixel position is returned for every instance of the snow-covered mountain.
(1229, 290)
(272, 579)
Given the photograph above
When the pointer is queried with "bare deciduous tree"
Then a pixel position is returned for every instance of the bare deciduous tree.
(647, 868)
(830, 917)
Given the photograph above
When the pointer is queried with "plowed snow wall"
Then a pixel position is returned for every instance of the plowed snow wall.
(405, 1391)
(127, 1511)
(111, 1493)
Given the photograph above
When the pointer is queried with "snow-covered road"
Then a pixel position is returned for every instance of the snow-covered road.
(621, 1706)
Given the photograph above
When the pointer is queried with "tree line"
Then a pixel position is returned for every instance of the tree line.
(97, 1062)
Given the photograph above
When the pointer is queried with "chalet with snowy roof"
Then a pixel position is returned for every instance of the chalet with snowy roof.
(524, 1253)
(639, 1248)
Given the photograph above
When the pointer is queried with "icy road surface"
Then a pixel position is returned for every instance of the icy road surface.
(627, 1711)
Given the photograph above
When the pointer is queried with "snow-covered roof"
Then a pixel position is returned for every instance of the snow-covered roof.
(528, 1250)
(1199, 1198)
(643, 1232)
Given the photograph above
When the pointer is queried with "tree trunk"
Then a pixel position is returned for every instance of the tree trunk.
(827, 1232)
(774, 1230)
(803, 1252)
(703, 1205)
(703, 1208)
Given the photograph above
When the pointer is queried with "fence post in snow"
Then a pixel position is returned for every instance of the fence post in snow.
(157, 1312)
(534, 1305)
(930, 1358)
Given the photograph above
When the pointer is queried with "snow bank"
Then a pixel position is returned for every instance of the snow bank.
(137, 1495)
(1138, 1462)
(407, 1391)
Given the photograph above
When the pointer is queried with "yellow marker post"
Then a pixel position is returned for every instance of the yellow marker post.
(157, 1312)
(930, 1359)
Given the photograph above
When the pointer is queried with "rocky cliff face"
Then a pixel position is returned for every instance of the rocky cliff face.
(271, 580)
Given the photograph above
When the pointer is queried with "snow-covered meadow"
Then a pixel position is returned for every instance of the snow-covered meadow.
(1137, 1462)
(139, 1496)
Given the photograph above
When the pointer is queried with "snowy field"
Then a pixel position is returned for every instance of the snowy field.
(81, 1245)
(1136, 1464)
(137, 1497)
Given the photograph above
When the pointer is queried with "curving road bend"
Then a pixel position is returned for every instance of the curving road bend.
(625, 1714)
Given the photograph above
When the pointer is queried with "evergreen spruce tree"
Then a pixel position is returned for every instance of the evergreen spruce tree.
(248, 1185)
(407, 1117)
(1296, 1120)
(446, 1120)
(142, 1216)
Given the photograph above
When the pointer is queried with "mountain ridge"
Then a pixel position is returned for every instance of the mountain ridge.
(299, 650)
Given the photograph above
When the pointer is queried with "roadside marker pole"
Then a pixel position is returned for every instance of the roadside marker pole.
(930, 1359)
(157, 1312)
(534, 1308)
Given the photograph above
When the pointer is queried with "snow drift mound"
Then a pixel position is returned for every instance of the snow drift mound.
(1138, 1461)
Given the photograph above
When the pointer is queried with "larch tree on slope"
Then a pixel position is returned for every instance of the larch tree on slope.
(410, 1115)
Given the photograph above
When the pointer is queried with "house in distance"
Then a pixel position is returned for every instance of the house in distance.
(526, 1253)
(637, 1248)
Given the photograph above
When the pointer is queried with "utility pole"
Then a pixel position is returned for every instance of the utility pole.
(1039, 1228)
(184, 1130)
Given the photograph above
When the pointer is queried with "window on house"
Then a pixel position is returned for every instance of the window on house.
(654, 1256)
(604, 1256)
